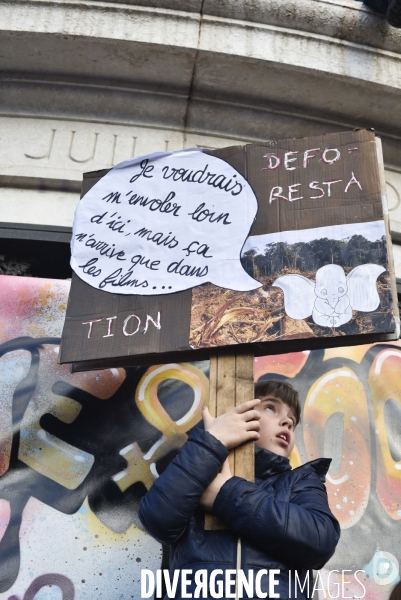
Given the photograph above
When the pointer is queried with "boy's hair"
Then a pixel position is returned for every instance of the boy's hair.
(282, 390)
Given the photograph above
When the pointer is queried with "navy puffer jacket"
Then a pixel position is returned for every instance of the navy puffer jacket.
(283, 519)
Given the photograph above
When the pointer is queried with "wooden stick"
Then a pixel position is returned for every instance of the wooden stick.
(231, 383)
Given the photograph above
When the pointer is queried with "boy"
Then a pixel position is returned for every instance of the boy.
(283, 519)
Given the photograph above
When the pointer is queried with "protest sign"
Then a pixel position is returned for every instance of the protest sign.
(266, 246)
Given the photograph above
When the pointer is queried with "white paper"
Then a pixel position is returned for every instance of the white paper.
(164, 223)
(332, 297)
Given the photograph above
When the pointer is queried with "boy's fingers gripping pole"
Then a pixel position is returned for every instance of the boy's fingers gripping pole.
(231, 384)
(206, 416)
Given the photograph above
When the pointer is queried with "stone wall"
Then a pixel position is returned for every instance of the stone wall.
(86, 84)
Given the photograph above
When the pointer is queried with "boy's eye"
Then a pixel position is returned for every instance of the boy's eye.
(270, 407)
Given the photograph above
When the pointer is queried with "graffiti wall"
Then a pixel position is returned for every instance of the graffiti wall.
(77, 452)
(351, 412)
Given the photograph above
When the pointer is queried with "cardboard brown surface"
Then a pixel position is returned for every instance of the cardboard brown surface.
(344, 172)
(356, 206)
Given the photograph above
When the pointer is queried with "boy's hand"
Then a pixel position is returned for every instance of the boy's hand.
(236, 426)
(209, 495)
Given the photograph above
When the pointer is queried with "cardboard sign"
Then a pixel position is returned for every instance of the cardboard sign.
(171, 261)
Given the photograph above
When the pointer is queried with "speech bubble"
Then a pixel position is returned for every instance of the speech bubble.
(164, 223)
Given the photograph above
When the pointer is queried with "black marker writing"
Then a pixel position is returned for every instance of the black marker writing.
(186, 270)
(204, 176)
(200, 249)
(90, 268)
(113, 197)
(138, 259)
(153, 204)
(116, 224)
(117, 279)
(201, 214)
(103, 248)
(98, 218)
(145, 170)
(158, 238)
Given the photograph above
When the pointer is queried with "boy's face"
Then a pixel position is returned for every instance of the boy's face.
(277, 424)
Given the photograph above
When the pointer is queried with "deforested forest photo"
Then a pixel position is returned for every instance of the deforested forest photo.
(310, 256)
(221, 316)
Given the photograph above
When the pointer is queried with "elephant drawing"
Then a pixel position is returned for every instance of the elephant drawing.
(333, 296)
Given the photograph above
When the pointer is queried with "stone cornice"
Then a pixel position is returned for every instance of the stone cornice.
(239, 68)
(299, 47)
(347, 19)
(100, 20)
(340, 19)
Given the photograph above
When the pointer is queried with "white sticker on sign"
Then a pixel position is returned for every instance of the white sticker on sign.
(164, 223)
